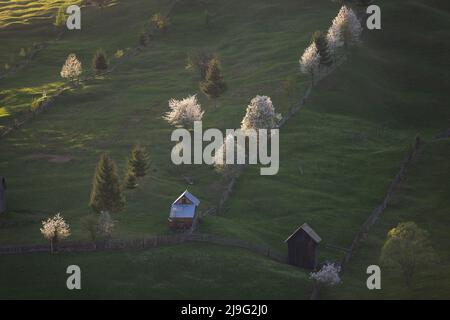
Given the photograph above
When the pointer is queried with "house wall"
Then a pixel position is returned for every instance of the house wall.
(180, 223)
(302, 251)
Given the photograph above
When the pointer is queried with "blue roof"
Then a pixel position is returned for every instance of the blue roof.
(184, 210)
(189, 196)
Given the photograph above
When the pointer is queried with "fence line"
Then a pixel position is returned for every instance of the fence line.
(362, 233)
(380, 209)
(147, 242)
(226, 193)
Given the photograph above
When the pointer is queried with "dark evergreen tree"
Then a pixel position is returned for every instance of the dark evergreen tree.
(322, 46)
(106, 194)
(99, 62)
(214, 85)
(130, 180)
(139, 161)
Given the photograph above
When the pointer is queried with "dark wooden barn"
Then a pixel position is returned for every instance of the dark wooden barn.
(303, 247)
(2, 194)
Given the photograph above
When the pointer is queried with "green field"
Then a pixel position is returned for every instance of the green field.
(338, 154)
(424, 199)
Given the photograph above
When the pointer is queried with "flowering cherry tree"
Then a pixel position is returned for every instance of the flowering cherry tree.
(310, 60)
(220, 157)
(345, 30)
(184, 112)
(54, 229)
(72, 68)
(334, 36)
(328, 275)
(260, 114)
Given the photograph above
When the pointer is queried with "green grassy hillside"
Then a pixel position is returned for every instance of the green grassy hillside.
(338, 154)
(181, 272)
(422, 198)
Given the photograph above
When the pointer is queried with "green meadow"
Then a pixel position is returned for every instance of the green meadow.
(338, 155)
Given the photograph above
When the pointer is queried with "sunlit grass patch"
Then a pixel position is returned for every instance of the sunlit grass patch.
(3, 112)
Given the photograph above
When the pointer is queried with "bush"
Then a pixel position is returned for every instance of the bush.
(119, 54)
(199, 61)
(160, 22)
(214, 85)
(99, 61)
(37, 103)
(23, 52)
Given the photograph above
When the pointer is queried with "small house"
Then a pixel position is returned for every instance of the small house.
(303, 247)
(183, 211)
(2, 194)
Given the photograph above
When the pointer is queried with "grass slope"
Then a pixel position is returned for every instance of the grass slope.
(189, 271)
(422, 198)
(338, 155)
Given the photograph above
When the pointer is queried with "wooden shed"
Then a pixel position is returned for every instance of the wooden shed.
(183, 211)
(303, 247)
(2, 194)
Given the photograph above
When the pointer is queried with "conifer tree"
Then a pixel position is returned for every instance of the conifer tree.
(106, 194)
(322, 47)
(214, 85)
(130, 180)
(138, 161)
(99, 61)
(60, 18)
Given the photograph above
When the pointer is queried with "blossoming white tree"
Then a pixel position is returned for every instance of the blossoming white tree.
(72, 68)
(220, 165)
(328, 275)
(345, 30)
(260, 114)
(184, 112)
(310, 60)
(54, 229)
(334, 35)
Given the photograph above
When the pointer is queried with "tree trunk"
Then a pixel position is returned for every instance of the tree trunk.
(54, 244)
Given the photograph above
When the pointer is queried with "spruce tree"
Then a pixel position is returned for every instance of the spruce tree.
(139, 161)
(106, 194)
(99, 61)
(60, 18)
(214, 85)
(130, 180)
(322, 47)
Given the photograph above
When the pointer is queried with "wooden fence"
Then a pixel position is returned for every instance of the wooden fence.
(146, 243)
(378, 211)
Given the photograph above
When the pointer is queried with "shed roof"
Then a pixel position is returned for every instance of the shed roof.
(189, 196)
(309, 231)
